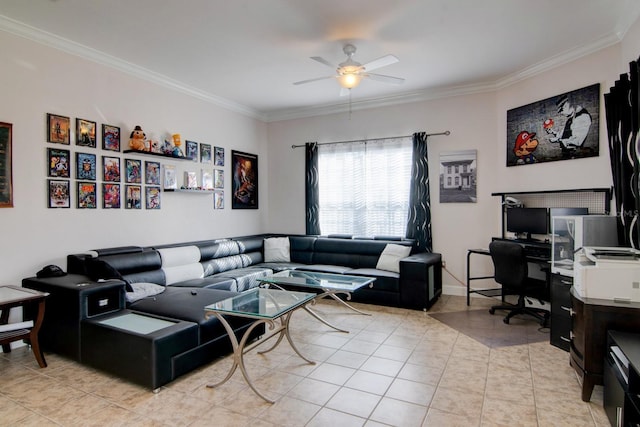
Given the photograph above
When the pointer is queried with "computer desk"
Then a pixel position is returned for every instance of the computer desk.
(538, 253)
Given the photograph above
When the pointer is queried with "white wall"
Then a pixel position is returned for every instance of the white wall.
(476, 122)
(36, 80)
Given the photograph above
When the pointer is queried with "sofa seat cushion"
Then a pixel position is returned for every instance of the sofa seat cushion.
(280, 266)
(246, 278)
(385, 280)
(188, 304)
(326, 268)
(210, 282)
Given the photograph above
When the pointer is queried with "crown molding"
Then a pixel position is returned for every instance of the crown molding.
(43, 37)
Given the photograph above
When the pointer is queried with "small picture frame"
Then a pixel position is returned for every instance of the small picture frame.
(111, 169)
(218, 199)
(152, 197)
(86, 166)
(191, 148)
(59, 194)
(110, 138)
(133, 197)
(170, 179)
(58, 129)
(86, 133)
(218, 179)
(206, 179)
(133, 171)
(205, 153)
(58, 163)
(111, 196)
(6, 173)
(151, 173)
(190, 180)
(219, 156)
(86, 195)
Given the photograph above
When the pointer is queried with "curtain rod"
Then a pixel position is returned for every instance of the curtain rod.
(447, 133)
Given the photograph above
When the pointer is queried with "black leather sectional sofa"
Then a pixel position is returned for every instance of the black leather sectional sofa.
(84, 305)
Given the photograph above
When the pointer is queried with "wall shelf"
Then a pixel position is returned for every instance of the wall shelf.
(149, 153)
(188, 190)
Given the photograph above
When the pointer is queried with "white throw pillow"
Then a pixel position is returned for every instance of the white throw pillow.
(143, 290)
(390, 258)
(276, 249)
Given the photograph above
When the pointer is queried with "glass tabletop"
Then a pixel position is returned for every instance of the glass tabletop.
(11, 294)
(137, 323)
(309, 279)
(261, 303)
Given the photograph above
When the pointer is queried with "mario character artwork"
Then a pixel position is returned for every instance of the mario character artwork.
(526, 143)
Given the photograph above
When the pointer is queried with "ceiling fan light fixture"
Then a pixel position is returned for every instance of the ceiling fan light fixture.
(349, 77)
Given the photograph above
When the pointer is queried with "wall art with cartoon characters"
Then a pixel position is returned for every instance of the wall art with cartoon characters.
(562, 127)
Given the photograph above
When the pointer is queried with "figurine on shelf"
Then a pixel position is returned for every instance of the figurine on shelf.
(155, 147)
(138, 140)
(177, 151)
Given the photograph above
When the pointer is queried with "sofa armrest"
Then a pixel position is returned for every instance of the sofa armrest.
(420, 280)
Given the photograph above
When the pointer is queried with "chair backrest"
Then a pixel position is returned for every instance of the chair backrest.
(509, 262)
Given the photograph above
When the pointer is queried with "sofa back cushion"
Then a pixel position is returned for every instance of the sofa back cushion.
(181, 263)
(351, 253)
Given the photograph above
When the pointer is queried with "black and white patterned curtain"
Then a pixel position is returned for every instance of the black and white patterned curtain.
(622, 112)
(419, 218)
(312, 192)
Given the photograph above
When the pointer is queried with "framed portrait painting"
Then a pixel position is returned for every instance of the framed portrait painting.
(244, 180)
(562, 127)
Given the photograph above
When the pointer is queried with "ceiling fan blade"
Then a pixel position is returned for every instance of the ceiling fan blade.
(385, 79)
(313, 80)
(324, 61)
(380, 62)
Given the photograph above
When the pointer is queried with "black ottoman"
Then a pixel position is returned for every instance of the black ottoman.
(137, 346)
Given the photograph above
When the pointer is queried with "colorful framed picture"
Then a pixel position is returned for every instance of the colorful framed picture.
(191, 149)
(58, 129)
(205, 153)
(244, 180)
(86, 195)
(133, 171)
(563, 127)
(170, 179)
(218, 179)
(219, 156)
(58, 161)
(152, 173)
(6, 174)
(86, 166)
(111, 169)
(86, 133)
(152, 197)
(218, 199)
(111, 196)
(110, 138)
(133, 197)
(59, 193)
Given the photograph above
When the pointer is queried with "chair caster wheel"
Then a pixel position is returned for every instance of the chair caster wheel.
(491, 311)
(506, 320)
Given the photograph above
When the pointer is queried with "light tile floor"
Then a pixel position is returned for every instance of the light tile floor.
(397, 367)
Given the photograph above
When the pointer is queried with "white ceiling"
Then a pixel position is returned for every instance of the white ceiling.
(245, 54)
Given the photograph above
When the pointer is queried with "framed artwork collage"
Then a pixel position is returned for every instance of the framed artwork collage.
(207, 179)
(108, 181)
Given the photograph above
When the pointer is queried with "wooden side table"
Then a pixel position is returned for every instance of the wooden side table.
(15, 296)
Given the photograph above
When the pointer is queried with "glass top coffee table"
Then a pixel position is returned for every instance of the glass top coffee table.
(265, 306)
(323, 284)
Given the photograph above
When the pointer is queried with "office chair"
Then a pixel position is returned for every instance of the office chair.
(511, 271)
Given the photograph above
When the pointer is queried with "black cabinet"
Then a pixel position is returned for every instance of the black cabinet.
(72, 299)
(561, 311)
(622, 379)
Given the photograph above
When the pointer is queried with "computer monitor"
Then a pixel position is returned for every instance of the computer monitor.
(528, 220)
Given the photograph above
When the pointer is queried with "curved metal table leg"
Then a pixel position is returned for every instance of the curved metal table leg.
(333, 295)
(322, 319)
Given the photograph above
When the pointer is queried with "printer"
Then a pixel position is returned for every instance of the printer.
(610, 273)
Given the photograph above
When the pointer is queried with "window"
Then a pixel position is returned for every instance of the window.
(364, 187)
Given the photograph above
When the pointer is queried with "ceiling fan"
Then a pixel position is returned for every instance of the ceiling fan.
(349, 73)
